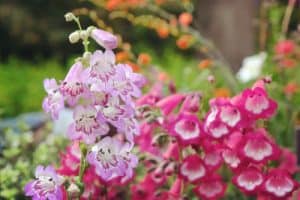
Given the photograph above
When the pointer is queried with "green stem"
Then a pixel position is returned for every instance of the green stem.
(85, 42)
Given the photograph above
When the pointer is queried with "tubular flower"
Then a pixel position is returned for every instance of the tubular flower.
(54, 102)
(104, 38)
(47, 184)
(111, 158)
(193, 169)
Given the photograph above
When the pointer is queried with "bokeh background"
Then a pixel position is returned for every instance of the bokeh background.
(34, 45)
(230, 36)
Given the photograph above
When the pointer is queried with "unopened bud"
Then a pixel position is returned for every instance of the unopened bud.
(84, 35)
(90, 29)
(73, 190)
(74, 37)
(69, 17)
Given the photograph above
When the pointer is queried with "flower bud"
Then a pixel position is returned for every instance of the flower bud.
(74, 37)
(90, 29)
(73, 190)
(69, 17)
(84, 35)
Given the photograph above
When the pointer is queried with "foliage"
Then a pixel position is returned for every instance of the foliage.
(19, 153)
(21, 81)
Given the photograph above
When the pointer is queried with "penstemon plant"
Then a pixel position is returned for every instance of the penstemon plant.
(203, 155)
(183, 151)
(101, 94)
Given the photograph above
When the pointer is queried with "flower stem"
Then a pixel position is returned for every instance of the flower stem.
(287, 17)
(85, 42)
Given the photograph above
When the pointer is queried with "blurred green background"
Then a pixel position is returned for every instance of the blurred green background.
(34, 44)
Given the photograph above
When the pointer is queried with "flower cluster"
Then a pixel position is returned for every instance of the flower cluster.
(101, 94)
(191, 150)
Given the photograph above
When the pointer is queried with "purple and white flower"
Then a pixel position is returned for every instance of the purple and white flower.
(47, 184)
(112, 159)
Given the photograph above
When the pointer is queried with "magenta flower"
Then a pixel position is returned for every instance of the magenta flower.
(256, 103)
(211, 188)
(249, 180)
(231, 158)
(187, 129)
(257, 148)
(47, 185)
(104, 38)
(212, 157)
(54, 102)
(169, 103)
(223, 118)
(111, 158)
(102, 65)
(193, 169)
(191, 103)
(70, 161)
(279, 184)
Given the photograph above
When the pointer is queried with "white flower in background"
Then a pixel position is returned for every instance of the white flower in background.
(251, 67)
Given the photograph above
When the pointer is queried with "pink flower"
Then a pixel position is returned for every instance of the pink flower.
(193, 169)
(288, 161)
(111, 158)
(102, 65)
(187, 129)
(86, 119)
(211, 188)
(144, 139)
(258, 148)
(191, 103)
(256, 103)
(223, 118)
(249, 180)
(279, 184)
(212, 157)
(169, 103)
(124, 83)
(284, 47)
(152, 97)
(104, 38)
(231, 158)
(47, 184)
(70, 161)
(74, 85)
(54, 102)
(145, 189)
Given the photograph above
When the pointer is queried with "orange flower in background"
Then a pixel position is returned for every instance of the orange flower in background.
(159, 2)
(144, 59)
(122, 56)
(163, 76)
(114, 4)
(184, 41)
(222, 92)
(291, 88)
(204, 64)
(134, 66)
(163, 31)
(185, 19)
